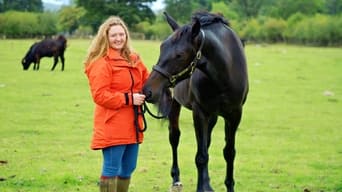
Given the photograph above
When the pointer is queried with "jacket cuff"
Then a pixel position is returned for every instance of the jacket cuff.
(126, 98)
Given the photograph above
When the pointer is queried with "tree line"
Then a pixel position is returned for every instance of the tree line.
(317, 22)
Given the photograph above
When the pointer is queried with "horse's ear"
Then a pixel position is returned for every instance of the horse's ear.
(195, 28)
(171, 21)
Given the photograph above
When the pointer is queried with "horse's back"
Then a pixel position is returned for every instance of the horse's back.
(50, 47)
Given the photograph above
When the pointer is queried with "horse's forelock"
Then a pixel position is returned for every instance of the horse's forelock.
(204, 18)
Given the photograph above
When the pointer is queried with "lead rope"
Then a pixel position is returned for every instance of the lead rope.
(137, 113)
(145, 108)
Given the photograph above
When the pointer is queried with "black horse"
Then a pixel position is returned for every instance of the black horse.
(205, 64)
(46, 48)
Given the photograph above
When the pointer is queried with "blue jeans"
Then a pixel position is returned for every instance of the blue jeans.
(120, 160)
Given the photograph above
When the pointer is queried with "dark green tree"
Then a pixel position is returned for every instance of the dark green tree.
(21, 5)
(201, 5)
(286, 8)
(247, 8)
(180, 10)
(68, 18)
(283, 8)
(131, 11)
(334, 7)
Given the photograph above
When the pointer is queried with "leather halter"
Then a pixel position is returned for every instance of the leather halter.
(187, 71)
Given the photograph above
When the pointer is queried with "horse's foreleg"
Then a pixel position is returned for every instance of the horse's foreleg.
(202, 156)
(55, 61)
(211, 124)
(36, 65)
(174, 135)
(231, 124)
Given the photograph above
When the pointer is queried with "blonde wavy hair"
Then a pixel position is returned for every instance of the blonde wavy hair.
(100, 44)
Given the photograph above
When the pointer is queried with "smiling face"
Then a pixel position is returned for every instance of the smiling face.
(117, 37)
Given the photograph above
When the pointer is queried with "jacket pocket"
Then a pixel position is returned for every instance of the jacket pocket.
(110, 114)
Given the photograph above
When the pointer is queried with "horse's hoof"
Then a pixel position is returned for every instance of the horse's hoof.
(176, 187)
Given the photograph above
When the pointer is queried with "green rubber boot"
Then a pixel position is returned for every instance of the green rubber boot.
(123, 184)
(108, 185)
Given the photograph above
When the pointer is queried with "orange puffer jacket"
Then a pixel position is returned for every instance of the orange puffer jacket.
(112, 81)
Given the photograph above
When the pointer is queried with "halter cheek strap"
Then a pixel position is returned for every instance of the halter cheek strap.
(188, 70)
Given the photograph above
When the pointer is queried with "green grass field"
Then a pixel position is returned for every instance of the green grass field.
(289, 139)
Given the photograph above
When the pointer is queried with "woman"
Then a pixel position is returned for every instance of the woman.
(116, 75)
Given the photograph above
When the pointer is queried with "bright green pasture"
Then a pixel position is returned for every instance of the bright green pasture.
(289, 139)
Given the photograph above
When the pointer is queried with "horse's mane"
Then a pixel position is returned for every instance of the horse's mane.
(206, 18)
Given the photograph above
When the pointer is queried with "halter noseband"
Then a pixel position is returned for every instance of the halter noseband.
(188, 70)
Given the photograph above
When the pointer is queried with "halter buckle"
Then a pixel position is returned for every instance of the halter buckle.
(198, 55)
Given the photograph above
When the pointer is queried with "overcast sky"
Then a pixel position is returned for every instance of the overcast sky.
(58, 2)
(158, 5)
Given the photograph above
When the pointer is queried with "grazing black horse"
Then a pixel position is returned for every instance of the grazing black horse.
(45, 48)
(205, 64)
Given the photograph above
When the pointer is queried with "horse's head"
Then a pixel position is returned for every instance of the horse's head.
(178, 55)
(29, 57)
(25, 64)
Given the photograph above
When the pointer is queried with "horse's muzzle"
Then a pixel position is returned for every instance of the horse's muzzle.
(148, 95)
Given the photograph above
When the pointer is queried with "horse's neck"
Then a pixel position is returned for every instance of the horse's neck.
(216, 62)
(216, 66)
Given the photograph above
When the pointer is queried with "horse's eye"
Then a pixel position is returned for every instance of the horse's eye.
(178, 56)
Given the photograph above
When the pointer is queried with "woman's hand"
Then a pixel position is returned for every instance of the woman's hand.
(138, 98)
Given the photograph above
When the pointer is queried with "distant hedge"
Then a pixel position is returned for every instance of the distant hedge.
(323, 30)
(320, 30)
(14, 24)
